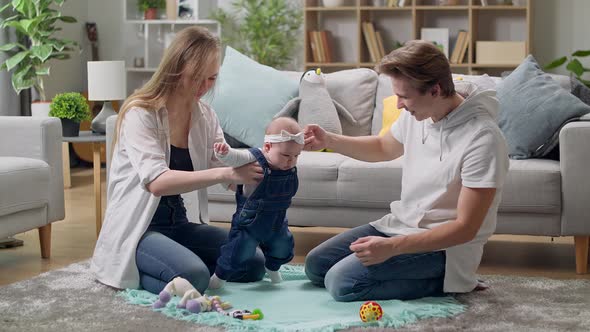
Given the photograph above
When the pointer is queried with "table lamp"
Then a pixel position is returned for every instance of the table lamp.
(106, 82)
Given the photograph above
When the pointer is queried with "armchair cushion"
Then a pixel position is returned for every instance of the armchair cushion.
(24, 183)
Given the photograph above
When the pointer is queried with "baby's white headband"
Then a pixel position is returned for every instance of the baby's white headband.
(285, 136)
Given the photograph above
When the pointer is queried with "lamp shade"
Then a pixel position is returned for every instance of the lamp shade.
(106, 80)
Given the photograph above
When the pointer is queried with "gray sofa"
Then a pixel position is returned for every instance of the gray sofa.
(31, 177)
(541, 197)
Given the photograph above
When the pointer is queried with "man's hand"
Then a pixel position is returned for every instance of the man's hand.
(372, 250)
(220, 148)
(315, 137)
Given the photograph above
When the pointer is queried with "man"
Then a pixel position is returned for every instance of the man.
(454, 166)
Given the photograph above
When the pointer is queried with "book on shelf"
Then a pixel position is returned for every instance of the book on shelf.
(369, 42)
(392, 3)
(461, 38)
(484, 3)
(321, 48)
(327, 45)
(464, 48)
(314, 47)
(318, 41)
(380, 44)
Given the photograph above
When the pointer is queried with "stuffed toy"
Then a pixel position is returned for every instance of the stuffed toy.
(315, 106)
(191, 299)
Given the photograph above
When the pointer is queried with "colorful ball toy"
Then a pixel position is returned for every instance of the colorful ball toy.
(370, 311)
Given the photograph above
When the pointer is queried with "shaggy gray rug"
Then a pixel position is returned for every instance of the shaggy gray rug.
(70, 300)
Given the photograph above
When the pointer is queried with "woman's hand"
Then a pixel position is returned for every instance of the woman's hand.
(316, 138)
(372, 250)
(248, 174)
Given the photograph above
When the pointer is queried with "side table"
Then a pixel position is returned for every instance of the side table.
(86, 136)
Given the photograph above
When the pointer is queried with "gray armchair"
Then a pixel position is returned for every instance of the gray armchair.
(31, 177)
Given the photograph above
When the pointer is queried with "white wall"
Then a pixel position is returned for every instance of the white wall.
(560, 28)
(70, 75)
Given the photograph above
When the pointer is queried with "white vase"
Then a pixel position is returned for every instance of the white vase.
(333, 3)
(40, 109)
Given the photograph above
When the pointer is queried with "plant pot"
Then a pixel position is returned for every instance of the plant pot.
(40, 109)
(150, 14)
(70, 128)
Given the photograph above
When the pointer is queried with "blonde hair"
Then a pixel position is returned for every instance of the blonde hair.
(282, 123)
(192, 51)
(424, 64)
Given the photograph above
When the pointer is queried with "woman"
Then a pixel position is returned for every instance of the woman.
(163, 148)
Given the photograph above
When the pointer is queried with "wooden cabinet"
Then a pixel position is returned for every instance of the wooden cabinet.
(497, 20)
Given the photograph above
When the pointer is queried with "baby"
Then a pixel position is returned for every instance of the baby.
(260, 218)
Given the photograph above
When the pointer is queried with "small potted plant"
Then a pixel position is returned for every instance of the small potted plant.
(150, 8)
(72, 108)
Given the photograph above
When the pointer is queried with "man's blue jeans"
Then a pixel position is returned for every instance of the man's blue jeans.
(332, 264)
(174, 247)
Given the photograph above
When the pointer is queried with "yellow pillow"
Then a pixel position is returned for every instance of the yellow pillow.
(390, 114)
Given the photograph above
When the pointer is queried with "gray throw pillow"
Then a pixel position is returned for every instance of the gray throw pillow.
(580, 90)
(533, 107)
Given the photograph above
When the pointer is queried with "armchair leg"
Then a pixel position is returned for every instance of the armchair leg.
(581, 243)
(45, 240)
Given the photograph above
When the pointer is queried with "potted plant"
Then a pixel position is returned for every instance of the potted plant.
(267, 31)
(574, 66)
(72, 108)
(35, 25)
(150, 8)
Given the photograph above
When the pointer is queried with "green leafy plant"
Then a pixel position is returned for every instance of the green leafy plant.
(70, 105)
(144, 5)
(34, 21)
(265, 30)
(574, 66)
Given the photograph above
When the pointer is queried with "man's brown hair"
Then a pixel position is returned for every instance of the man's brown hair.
(422, 63)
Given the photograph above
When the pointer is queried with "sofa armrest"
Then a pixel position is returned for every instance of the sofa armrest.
(37, 138)
(574, 156)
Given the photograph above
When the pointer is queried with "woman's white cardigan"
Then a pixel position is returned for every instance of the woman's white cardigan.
(141, 154)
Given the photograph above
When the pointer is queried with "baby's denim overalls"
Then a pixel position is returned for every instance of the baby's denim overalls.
(260, 220)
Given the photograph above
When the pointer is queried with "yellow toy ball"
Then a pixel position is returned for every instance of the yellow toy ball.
(370, 311)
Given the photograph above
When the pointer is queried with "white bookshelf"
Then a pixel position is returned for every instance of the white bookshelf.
(147, 39)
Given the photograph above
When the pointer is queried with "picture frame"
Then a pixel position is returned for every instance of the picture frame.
(439, 36)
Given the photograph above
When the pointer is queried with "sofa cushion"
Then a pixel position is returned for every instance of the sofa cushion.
(372, 185)
(533, 107)
(384, 90)
(532, 186)
(355, 89)
(24, 184)
(318, 178)
(247, 96)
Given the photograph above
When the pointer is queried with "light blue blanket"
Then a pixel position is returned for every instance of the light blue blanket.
(297, 305)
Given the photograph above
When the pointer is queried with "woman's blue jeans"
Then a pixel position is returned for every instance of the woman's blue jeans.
(332, 264)
(174, 247)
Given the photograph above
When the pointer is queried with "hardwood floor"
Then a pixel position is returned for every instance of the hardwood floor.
(73, 240)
